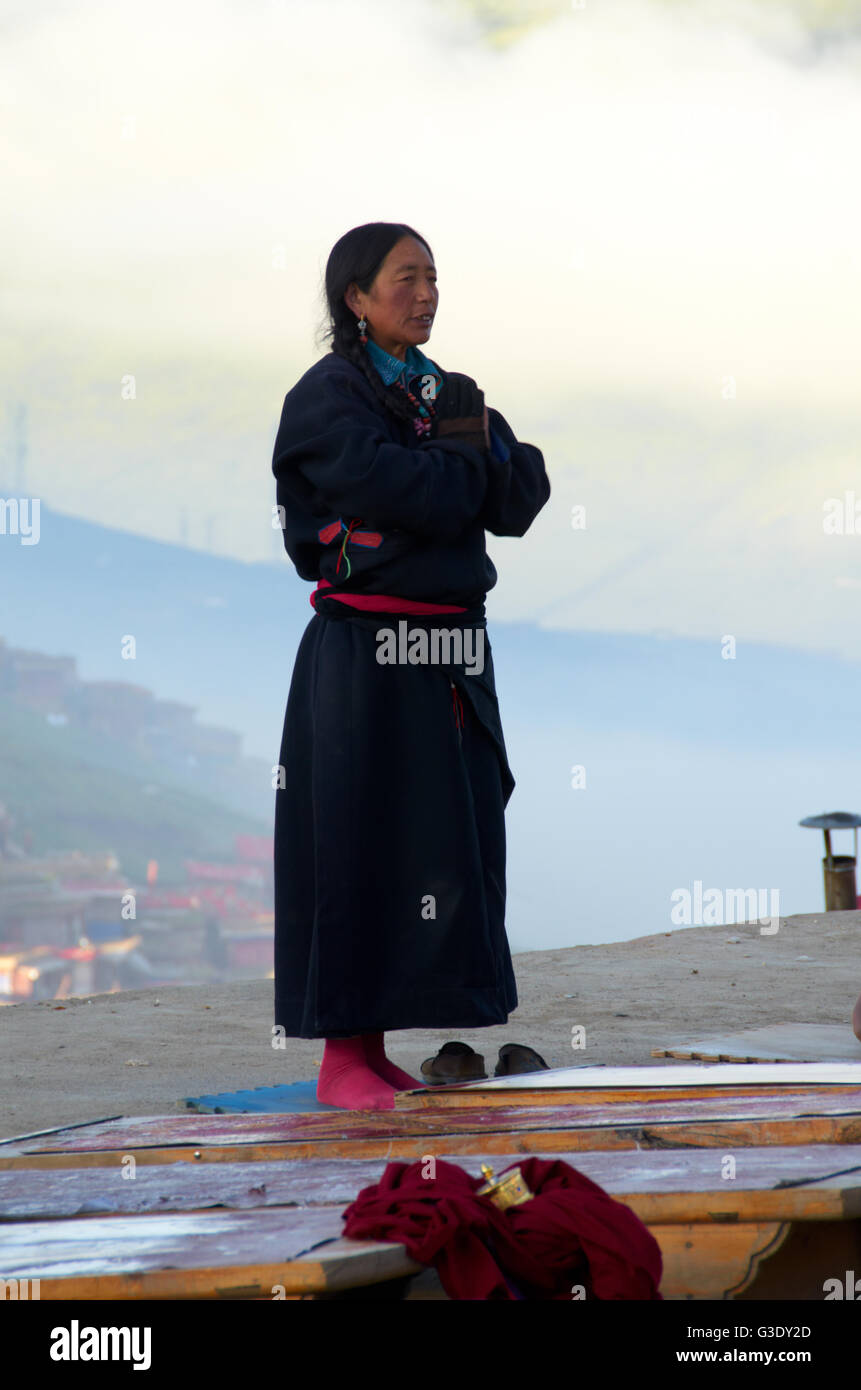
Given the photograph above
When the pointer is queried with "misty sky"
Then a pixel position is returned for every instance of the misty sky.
(645, 218)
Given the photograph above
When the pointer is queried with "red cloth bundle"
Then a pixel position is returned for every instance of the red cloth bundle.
(571, 1232)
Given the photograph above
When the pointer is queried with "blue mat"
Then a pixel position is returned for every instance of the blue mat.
(299, 1097)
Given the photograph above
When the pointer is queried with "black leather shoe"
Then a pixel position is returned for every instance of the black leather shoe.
(454, 1062)
(516, 1058)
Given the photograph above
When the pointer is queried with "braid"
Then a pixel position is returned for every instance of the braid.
(393, 399)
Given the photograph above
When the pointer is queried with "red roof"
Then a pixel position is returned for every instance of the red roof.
(224, 873)
(259, 849)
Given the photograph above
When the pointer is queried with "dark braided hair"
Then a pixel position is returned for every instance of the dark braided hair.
(356, 258)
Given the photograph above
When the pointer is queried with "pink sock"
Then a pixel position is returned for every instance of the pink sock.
(347, 1080)
(375, 1053)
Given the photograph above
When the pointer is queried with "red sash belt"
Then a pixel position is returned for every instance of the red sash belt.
(385, 603)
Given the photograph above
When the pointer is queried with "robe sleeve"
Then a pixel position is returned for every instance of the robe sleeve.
(333, 452)
(517, 486)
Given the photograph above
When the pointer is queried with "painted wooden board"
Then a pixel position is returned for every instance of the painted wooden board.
(713, 1234)
(635, 1080)
(226, 1254)
(823, 1114)
(779, 1042)
(716, 1261)
(820, 1181)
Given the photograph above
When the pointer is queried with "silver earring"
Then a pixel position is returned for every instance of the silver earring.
(363, 337)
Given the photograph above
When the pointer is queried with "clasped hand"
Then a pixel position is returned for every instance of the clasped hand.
(461, 412)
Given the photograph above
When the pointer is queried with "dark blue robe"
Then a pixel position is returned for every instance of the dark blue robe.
(389, 828)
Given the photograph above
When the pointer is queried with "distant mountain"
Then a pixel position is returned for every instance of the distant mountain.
(211, 632)
(222, 636)
(695, 765)
(70, 789)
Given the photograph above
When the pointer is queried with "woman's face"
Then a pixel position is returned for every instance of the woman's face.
(404, 291)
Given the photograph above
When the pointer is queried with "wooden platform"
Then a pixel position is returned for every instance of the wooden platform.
(236, 1206)
(719, 1238)
(663, 1119)
(643, 1083)
(230, 1254)
(779, 1042)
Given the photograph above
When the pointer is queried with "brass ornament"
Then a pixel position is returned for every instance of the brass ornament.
(508, 1191)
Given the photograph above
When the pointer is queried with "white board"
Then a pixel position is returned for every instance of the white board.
(777, 1042)
(703, 1074)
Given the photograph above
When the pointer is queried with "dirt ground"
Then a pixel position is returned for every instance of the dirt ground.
(143, 1051)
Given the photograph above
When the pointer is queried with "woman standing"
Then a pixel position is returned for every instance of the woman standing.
(389, 813)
